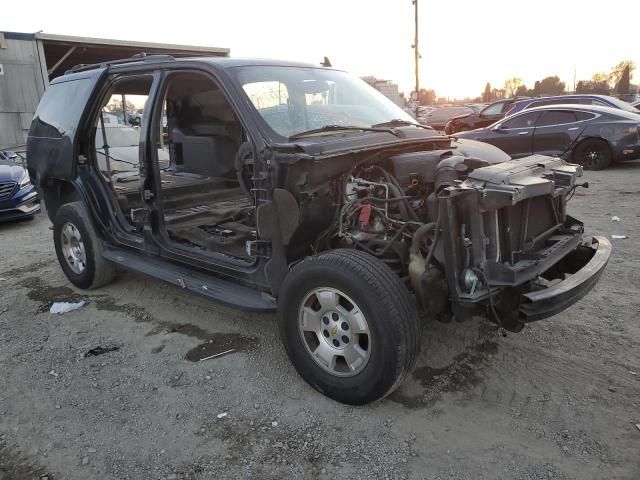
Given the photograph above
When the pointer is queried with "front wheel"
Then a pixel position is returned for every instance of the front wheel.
(349, 326)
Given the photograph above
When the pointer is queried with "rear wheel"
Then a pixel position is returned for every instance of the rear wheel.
(592, 154)
(349, 326)
(79, 249)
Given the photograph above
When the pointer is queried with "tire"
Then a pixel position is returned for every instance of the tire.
(592, 154)
(79, 249)
(386, 348)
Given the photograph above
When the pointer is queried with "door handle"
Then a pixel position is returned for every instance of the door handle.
(574, 128)
(523, 133)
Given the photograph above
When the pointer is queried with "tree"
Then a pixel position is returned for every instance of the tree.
(548, 86)
(426, 97)
(590, 86)
(115, 105)
(512, 85)
(498, 94)
(600, 78)
(523, 91)
(623, 84)
(487, 93)
(618, 70)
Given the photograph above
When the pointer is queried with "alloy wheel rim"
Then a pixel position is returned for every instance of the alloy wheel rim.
(334, 331)
(73, 248)
(592, 156)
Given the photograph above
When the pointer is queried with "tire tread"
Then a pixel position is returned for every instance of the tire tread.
(390, 292)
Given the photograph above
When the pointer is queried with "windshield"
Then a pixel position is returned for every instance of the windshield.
(292, 100)
(9, 158)
(622, 105)
(6, 161)
(118, 136)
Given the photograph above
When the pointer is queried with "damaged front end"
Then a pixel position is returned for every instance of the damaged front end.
(469, 232)
(508, 246)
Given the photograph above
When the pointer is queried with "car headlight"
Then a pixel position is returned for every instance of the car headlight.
(26, 181)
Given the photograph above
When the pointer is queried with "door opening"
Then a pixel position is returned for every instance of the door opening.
(117, 143)
(205, 194)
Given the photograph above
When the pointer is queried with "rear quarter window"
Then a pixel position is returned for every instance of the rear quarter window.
(60, 109)
(54, 130)
(582, 116)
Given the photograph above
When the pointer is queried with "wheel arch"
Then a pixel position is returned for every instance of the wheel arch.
(55, 193)
(587, 139)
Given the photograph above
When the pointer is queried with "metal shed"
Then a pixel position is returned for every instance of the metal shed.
(29, 60)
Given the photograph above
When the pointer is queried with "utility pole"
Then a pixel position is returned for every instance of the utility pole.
(124, 109)
(416, 54)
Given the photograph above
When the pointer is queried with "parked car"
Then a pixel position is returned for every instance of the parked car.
(135, 119)
(18, 197)
(598, 100)
(438, 117)
(636, 104)
(301, 188)
(587, 135)
(123, 144)
(480, 118)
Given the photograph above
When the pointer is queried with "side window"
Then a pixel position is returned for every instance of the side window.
(60, 108)
(494, 109)
(599, 103)
(117, 135)
(522, 121)
(583, 116)
(506, 106)
(556, 117)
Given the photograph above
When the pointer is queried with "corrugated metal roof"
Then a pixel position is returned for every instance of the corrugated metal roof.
(73, 40)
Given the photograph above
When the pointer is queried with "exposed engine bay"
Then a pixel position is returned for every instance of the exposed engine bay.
(463, 233)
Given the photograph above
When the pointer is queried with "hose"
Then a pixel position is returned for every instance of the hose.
(419, 236)
(435, 241)
(497, 319)
(397, 190)
(445, 173)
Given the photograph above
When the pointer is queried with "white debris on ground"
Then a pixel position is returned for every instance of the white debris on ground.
(222, 415)
(615, 218)
(64, 307)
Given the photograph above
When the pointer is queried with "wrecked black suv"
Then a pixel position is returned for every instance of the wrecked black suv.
(271, 185)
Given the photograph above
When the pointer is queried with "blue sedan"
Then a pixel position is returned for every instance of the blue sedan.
(18, 196)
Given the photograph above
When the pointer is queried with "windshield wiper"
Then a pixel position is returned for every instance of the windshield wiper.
(398, 122)
(331, 128)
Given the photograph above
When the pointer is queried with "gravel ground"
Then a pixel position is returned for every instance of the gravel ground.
(111, 391)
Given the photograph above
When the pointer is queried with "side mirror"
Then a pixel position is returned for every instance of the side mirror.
(498, 128)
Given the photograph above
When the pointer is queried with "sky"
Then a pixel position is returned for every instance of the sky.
(464, 44)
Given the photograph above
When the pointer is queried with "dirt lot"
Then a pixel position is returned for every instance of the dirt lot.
(560, 400)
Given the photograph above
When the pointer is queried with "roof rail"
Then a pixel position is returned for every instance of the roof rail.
(138, 57)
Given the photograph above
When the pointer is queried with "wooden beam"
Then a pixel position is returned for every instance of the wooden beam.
(59, 62)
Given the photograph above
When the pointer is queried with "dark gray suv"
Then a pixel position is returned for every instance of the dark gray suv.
(269, 185)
